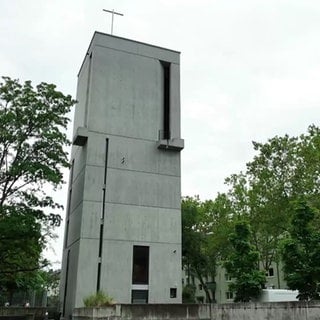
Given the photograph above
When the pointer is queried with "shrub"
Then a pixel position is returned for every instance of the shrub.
(99, 299)
(188, 294)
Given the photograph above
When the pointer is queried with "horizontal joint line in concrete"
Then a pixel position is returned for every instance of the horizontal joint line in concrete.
(72, 243)
(107, 135)
(133, 170)
(129, 240)
(134, 41)
(75, 208)
(133, 53)
(75, 177)
(131, 204)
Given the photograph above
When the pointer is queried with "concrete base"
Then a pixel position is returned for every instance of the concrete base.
(234, 311)
(32, 313)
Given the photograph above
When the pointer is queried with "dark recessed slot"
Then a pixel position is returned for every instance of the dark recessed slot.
(140, 267)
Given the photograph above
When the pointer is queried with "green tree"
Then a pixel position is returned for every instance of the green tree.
(188, 294)
(301, 252)
(205, 226)
(243, 265)
(32, 156)
(194, 241)
(283, 169)
(21, 243)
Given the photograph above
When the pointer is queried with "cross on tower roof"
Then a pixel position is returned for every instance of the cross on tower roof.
(113, 13)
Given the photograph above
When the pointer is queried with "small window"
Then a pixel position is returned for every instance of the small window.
(139, 296)
(173, 293)
(200, 286)
(182, 281)
(270, 272)
(229, 295)
(228, 277)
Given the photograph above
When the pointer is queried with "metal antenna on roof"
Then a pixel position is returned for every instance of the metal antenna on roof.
(112, 13)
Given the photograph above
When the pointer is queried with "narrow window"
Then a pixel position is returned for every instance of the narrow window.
(102, 214)
(98, 276)
(69, 201)
(105, 179)
(271, 272)
(140, 267)
(66, 285)
(66, 235)
(71, 171)
(70, 188)
(166, 99)
(100, 240)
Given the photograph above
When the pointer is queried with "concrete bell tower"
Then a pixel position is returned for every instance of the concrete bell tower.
(123, 220)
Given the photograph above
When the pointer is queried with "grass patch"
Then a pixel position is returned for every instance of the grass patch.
(99, 299)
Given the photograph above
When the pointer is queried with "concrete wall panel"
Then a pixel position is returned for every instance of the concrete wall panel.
(143, 189)
(116, 276)
(128, 101)
(96, 146)
(169, 162)
(83, 78)
(132, 154)
(143, 156)
(91, 214)
(72, 278)
(87, 269)
(75, 223)
(77, 191)
(164, 273)
(133, 223)
(80, 158)
(170, 221)
(94, 177)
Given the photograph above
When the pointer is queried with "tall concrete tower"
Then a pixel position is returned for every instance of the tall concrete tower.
(123, 223)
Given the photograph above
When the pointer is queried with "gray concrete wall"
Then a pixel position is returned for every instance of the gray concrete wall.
(32, 313)
(249, 311)
(120, 94)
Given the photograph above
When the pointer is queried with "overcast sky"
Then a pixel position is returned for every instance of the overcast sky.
(250, 69)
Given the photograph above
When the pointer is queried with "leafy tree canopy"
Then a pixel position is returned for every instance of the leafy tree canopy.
(32, 156)
(205, 228)
(301, 252)
(243, 265)
(283, 169)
